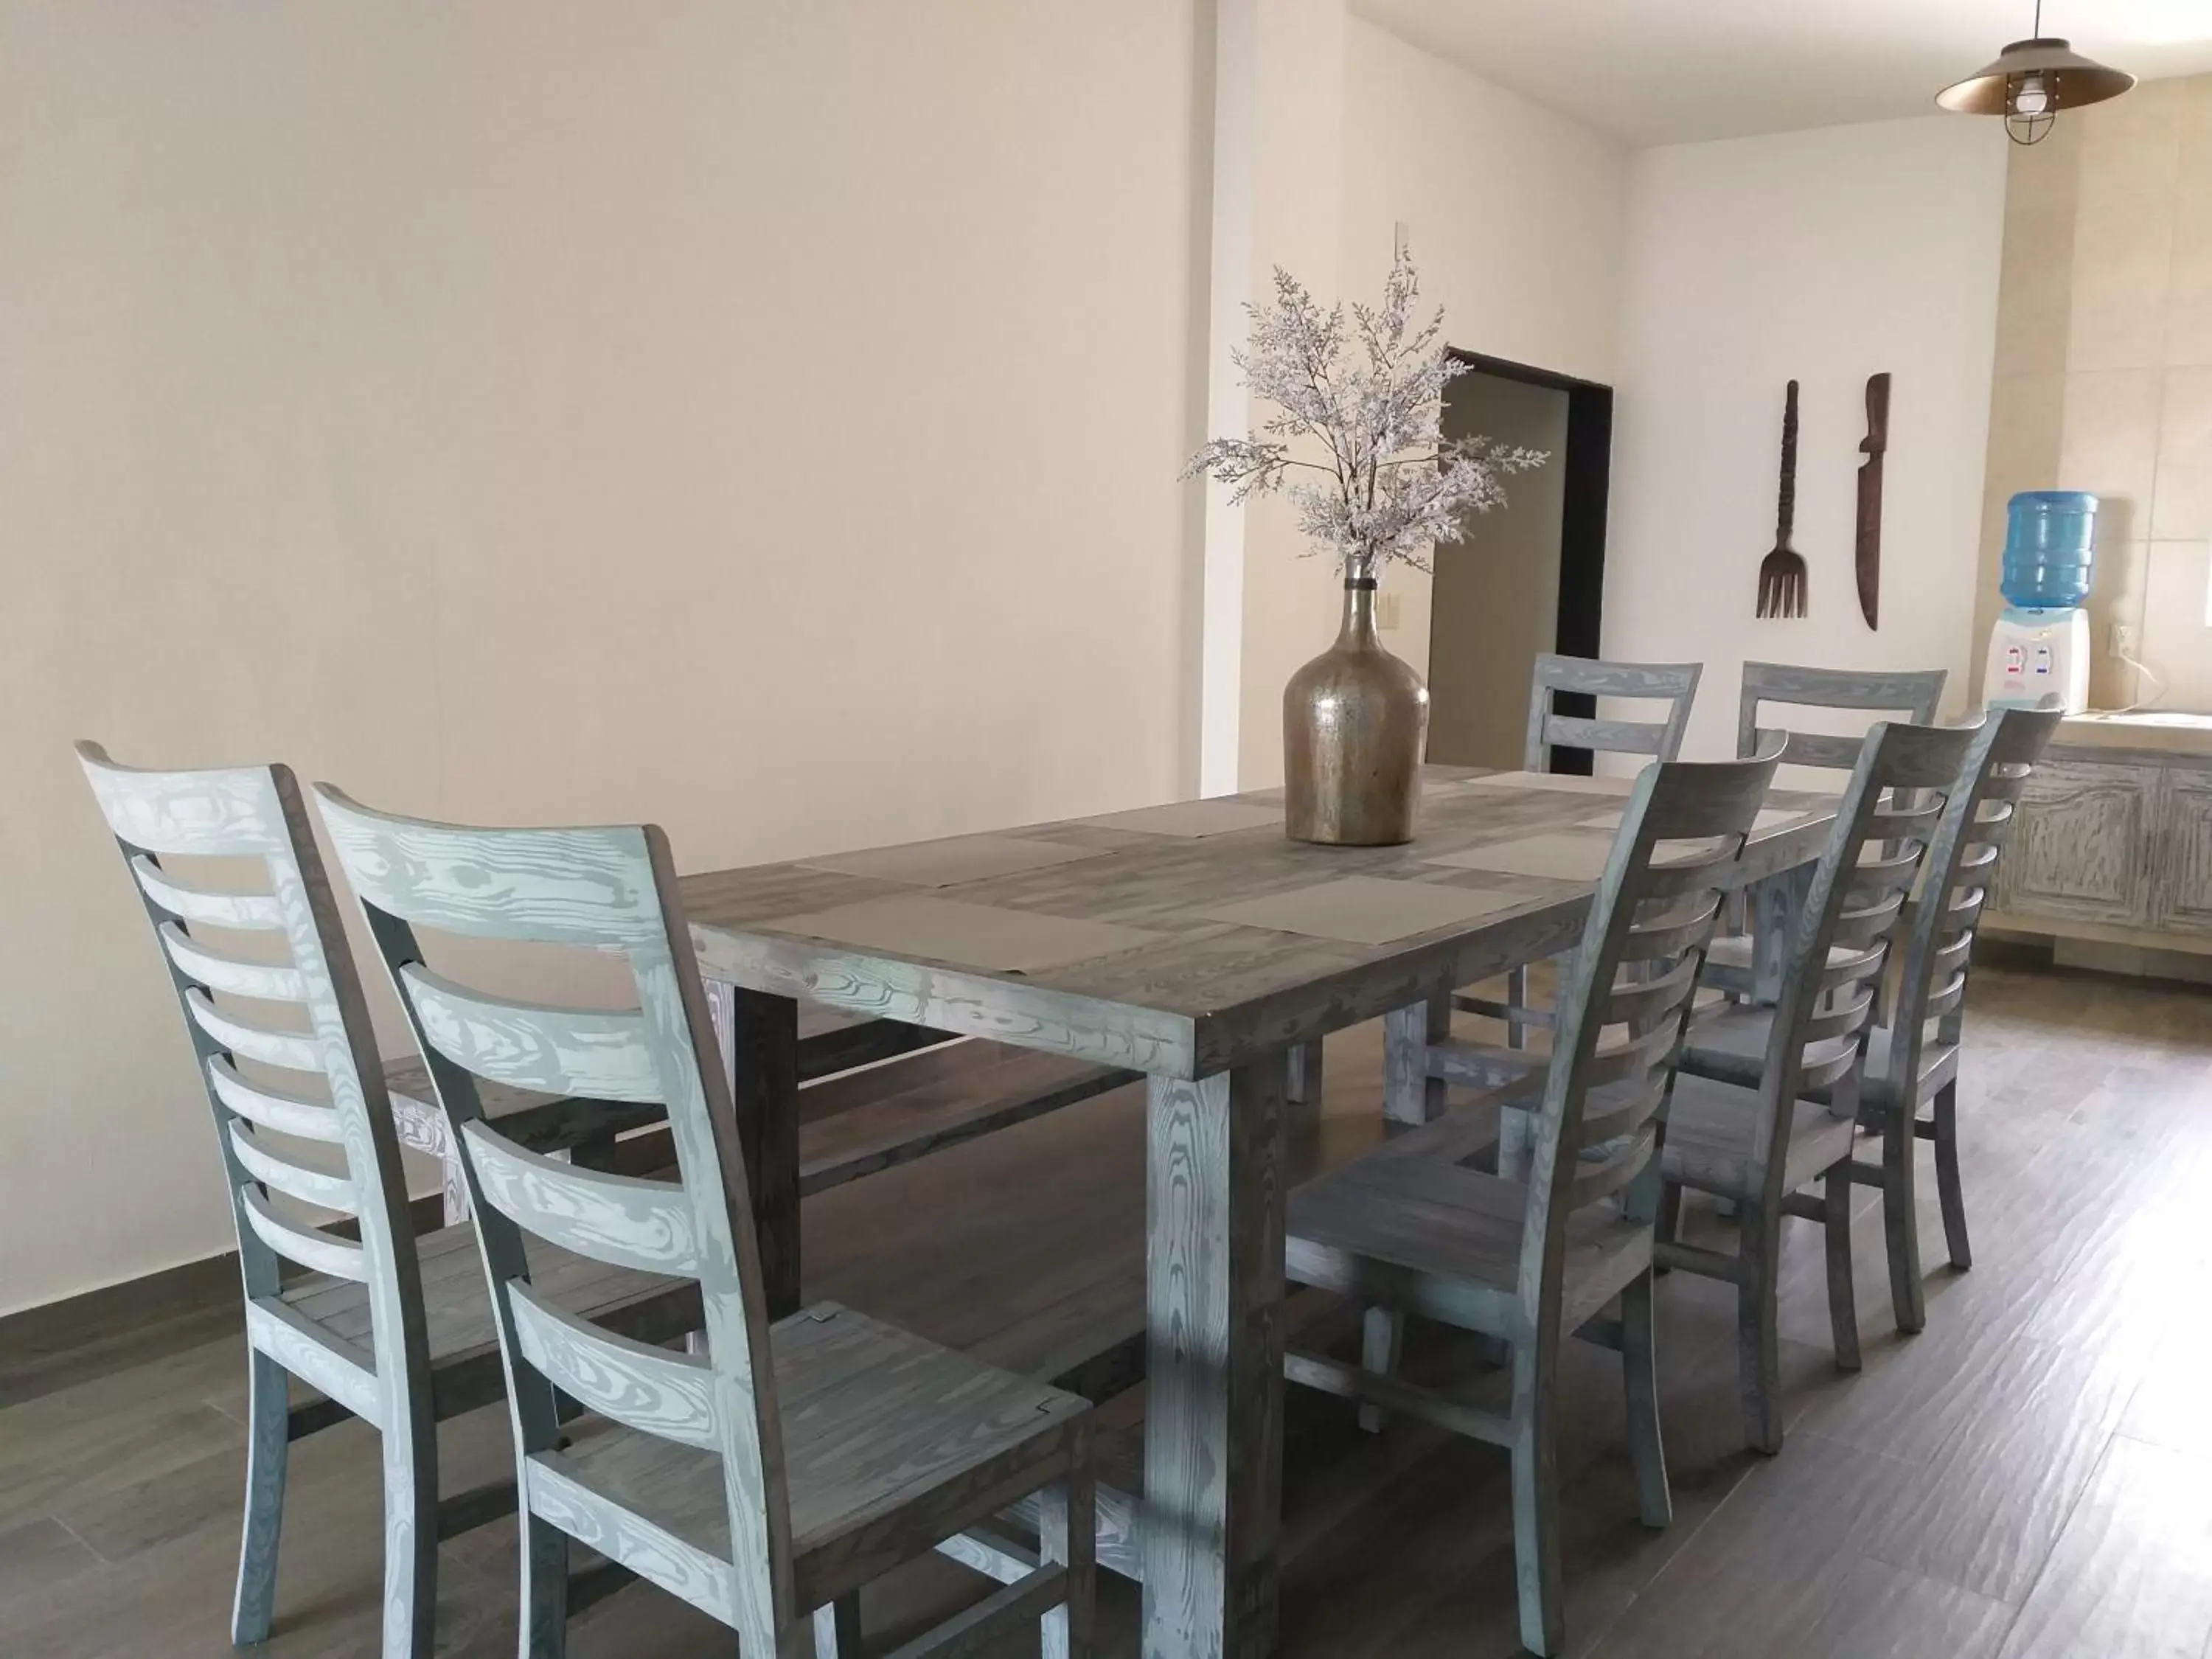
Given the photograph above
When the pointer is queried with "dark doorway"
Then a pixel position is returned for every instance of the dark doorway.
(1530, 576)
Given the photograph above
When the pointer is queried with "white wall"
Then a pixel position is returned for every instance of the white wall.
(1517, 218)
(764, 420)
(1825, 257)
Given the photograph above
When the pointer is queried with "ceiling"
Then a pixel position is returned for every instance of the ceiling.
(1669, 71)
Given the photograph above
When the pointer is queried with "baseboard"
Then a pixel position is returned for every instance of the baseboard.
(59, 1343)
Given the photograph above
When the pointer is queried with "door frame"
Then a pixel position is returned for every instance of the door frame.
(1588, 465)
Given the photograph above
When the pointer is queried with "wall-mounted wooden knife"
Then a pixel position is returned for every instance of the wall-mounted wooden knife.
(1867, 546)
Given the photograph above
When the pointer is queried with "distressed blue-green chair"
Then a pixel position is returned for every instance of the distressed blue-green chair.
(767, 1480)
(1541, 1251)
(380, 1325)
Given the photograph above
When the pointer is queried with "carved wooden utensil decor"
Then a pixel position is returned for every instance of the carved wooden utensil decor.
(1782, 572)
(1866, 547)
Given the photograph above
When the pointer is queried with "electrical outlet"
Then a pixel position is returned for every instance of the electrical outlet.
(1386, 610)
(2124, 640)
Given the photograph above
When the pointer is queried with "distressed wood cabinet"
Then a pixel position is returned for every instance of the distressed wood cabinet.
(2080, 852)
(2181, 880)
(2113, 846)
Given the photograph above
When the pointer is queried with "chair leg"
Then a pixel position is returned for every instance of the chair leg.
(1666, 1228)
(410, 1533)
(1647, 1451)
(1947, 1176)
(1900, 1220)
(1068, 1533)
(1517, 996)
(544, 1590)
(837, 1629)
(1758, 1337)
(267, 1452)
(1381, 1338)
(1843, 1295)
(1536, 1504)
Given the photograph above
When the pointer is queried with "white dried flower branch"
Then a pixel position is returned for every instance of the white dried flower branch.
(1392, 487)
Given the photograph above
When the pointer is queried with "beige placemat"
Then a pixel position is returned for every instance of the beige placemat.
(1192, 819)
(1556, 857)
(948, 863)
(971, 935)
(1770, 817)
(1365, 909)
(1564, 782)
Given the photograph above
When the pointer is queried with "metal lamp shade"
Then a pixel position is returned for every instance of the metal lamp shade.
(2070, 79)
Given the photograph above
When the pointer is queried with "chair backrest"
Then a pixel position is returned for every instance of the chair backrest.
(610, 890)
(1911, 696)
(1674, 685)
(1633, 975)
(1886, 826)
(324, 1045)
(1961, 872)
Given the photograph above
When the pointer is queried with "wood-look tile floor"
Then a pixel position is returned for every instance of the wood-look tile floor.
(2029, 1478)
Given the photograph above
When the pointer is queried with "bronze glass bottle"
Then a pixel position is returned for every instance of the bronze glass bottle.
(1355, 720)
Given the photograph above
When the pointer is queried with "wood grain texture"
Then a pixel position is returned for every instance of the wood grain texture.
(1210, 995)
(1674, 685)
(644, 1225)
(788, 1463)
(1214, 1381)
(2086, 1118)
(1538, 1250)
(1913, 695)
(256, 812)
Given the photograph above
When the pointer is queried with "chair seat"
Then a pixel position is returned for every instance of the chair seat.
(1730, 1045)
(458, 1314)
(890, 1443)
(1709, 1129)
(1381, 1222)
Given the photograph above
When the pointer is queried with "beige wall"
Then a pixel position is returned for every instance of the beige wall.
(2104, 373)
(765, 423)
(1824, 257)
(1516, 216)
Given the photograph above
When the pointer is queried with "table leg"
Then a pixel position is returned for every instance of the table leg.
(1410, 1095)
(763, 1055)
(1306, 1073)
(1213, 1416)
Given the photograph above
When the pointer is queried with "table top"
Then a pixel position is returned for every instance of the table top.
(1184, 939)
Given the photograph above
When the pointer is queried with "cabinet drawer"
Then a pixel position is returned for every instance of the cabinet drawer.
(2182, 878)
(2082, 850)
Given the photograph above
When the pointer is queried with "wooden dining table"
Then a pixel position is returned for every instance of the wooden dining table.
(1194, 944)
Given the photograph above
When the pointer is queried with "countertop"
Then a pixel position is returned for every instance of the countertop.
(2155, 729)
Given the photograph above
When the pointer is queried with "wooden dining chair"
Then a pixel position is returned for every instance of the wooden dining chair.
(1538, 1251)
(1909, 695)
(1584, 679)
(382, 1326)
(1674, 685)
(770, 1477)
(1771, 1123)
(1912, 1053)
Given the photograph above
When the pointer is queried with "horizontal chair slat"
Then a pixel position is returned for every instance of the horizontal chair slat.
(619, 1220)
(270, 982)
(246, 913)
(216, 814)
(580, 886)
(647, 1388)
(292, 1050)
(287, 1115)
(317, 1252)
(599, 1054)
(1616, 737)
(318, 1187)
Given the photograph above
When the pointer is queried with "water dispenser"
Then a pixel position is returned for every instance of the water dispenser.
(2041, 641)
